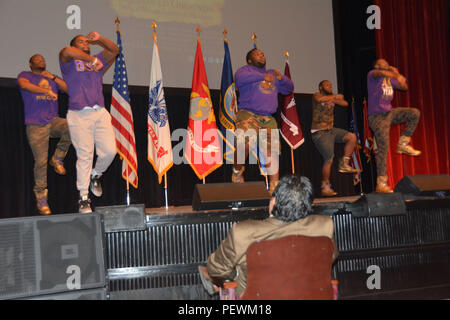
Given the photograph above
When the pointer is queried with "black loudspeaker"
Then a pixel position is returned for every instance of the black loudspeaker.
(50, 254)
(92, 294)
(123, 218)
(425, 185)
(379, 204)
(230, 195)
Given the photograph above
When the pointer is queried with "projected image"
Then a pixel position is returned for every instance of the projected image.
(205, 13)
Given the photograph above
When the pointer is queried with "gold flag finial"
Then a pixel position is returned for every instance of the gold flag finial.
(225, 32)
(286, 54)
(154, 26)
(198, 31)
(254, 39)
(117, 22)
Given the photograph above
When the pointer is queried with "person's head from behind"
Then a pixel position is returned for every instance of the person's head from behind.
(81, 42)
(256, 58)
(292, 198)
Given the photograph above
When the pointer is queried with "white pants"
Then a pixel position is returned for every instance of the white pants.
(91, 128)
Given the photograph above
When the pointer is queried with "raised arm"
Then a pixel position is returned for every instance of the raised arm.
(60, 82)
(392, 72)
(111, 49)
(334, 98)
(70, 53)
(25, 84)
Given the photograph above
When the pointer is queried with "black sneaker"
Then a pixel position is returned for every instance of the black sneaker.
(84, 205)
(95, 186)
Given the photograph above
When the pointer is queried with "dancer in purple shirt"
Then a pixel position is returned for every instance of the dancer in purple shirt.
(381, 83)
(39, 90)
(89, 122)
(258, 100)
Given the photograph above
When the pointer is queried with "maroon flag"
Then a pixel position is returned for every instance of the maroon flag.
(291, 129)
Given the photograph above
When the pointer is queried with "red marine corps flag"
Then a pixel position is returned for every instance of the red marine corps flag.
(203, 147)
(291, 129)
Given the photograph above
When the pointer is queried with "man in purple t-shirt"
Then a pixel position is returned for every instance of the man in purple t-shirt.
(381, 82)
(39, 88)
(258, 100)
(89, 122)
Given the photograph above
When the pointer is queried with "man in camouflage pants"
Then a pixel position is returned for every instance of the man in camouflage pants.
(381, 82)
(258, 100)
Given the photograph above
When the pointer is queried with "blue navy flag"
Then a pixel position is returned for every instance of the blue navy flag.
(228, 105)
(122, 119)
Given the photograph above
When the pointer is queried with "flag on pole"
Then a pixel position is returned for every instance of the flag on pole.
(291, 129)
(159, 149)
(368, 136)
(228, 104)
(203, 151)
(122, 119)
(356, 159)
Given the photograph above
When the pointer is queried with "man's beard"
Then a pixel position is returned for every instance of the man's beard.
(259, 64)
(38, 69)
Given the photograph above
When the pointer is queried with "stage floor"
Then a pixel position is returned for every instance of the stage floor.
(188, 209)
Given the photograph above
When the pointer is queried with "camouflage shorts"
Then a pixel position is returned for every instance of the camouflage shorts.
(253, 125)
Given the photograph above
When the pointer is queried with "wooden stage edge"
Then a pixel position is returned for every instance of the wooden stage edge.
(188, 209)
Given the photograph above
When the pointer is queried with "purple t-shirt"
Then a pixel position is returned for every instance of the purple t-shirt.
(380, 93)
(257, 96)
(84, 85)
(39, 108)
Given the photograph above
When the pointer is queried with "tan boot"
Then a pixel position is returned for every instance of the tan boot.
(41, 202)
(344, 166)
(404, 147)
(58, 165)
(326, 189)
(238, 177)
(382, 186)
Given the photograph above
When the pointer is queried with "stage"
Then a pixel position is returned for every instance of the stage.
(133, 252)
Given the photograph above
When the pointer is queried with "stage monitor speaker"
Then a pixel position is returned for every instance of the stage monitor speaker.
(50, 254)
(123, 218)
(91, 294)
(379, 204)
(425, 185)
(230, 196)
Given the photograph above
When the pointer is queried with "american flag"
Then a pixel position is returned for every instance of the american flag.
(122, 119)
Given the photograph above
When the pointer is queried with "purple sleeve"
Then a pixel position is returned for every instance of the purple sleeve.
(394, 83)
(285, 85)
(245, 76)
(102, 59)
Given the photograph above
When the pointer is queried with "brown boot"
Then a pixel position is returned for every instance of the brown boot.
(41, 202)
(326, 189)
(344, 166)
(58, 165)
(404, 147)
(382, 186)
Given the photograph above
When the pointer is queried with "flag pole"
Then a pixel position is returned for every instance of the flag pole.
(165, 191)
(357, 149)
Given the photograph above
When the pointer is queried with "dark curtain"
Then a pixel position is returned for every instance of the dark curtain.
(414, 38)
(17, 198)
